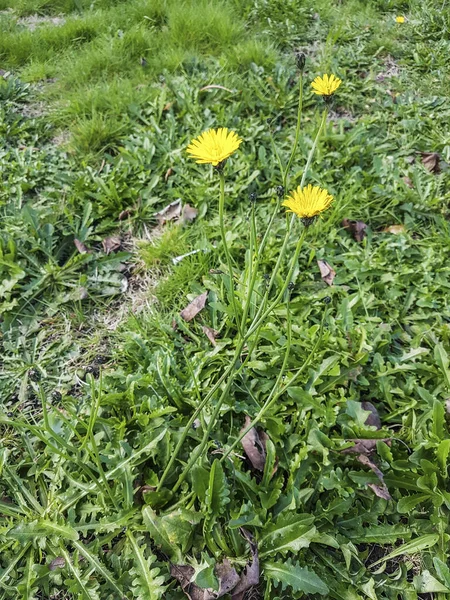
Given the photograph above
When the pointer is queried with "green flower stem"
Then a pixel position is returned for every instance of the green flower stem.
(271, 400)
(274, 304)
(198, 451)
(302, 183)
(297, 133)
(227, 252)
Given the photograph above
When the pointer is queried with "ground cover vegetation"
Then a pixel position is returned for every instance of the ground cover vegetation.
(118, 319)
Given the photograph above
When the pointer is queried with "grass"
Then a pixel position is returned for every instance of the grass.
(100, 374)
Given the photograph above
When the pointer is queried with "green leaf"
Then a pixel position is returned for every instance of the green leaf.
(24, 532)
(442, 453)
(289, 533)
(147, 583)
(290, 574)
(441, 357)
(425, 583)
(217, 495)
(407, 503)
(442, 570)
(172, 532)
(420, 543)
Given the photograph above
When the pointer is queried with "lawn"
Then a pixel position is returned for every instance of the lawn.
(202, 396)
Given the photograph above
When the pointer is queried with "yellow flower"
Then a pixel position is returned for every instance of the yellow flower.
(308, 202)
(400, 19)
(326, 85)
(214, 146)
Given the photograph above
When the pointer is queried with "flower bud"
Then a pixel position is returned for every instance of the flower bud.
(300, 59)
(280, 191)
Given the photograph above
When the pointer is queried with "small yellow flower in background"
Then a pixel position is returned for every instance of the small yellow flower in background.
(214, 146)
(326, 85)
(400, 19)
(308, 202)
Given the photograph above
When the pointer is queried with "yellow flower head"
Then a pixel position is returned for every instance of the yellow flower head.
(308, 202)
(214, 146)
(400, 19)
(326, 85)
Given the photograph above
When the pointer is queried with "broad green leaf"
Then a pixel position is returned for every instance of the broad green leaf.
(24, 532)
(148, 582)
(407, 503)
(421, 543)
(290, 574)
(425, 583)
(173, 531)
(441, 357)
(442, 570)
(289, 533)
(217, 495)
(442, 453)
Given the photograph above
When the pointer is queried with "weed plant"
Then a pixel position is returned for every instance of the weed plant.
(113, 484)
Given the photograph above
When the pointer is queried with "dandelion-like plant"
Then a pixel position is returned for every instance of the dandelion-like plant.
(214, 146)
(250, 293)
(308, 202)
(326, 85)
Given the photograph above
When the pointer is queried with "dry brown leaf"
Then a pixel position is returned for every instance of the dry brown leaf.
(227, 576)
(169, 172)
(168, 105)
(408, 181)
(430, 161)
(189, 213)
(254, 446)
(82, 249)
(194, 307)
(125, 214)
(211, 334)
(395, 229)
(57, 563)
(111, 244)
(169, 213)
(326, 272)
(356, 228)
(184, 573)
(250, 576)
(380, 490)
(373, 419)
(216, 87)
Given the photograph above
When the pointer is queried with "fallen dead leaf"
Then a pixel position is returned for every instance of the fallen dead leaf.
(82, 249)
(125, 214)
(168, 106)
(194, 307)
(430, 161)
(363, 446)
(250, 576)
(57, 563)
(169, 213)
(356, 228)
(111, 244)
(326, 272)
(216, 87)
(395, 229)
(189, 213)
(227, 576)
(211, 334)
(379, 490)
(254, 445)
(373, 419)
(408, 181)
(184, 574)
(169, 172)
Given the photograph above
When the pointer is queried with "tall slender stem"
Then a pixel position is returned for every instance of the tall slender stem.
(274, 397)
(226, 250)
(297, 132)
